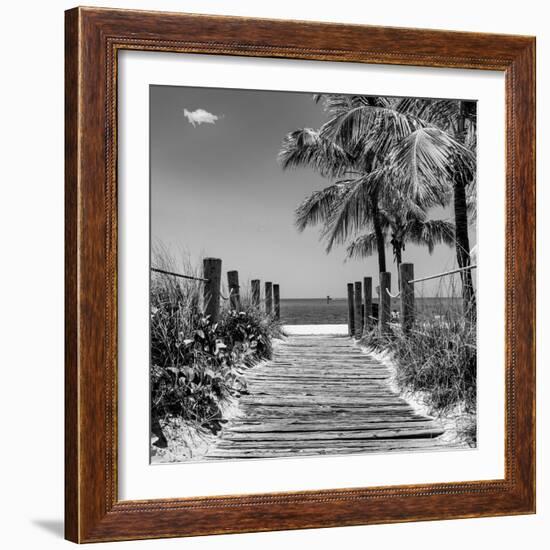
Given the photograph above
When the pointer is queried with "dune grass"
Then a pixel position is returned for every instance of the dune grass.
(196, 366)
(437, 361)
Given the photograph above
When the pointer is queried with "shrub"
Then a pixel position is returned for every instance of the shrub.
(201, 379)
(249, 333)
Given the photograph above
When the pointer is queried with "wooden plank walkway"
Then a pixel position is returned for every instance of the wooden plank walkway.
(321, 395)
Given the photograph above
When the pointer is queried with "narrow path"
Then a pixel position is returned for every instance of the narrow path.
(322, 395)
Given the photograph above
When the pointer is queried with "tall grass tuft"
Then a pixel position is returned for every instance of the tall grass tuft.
(437, 359)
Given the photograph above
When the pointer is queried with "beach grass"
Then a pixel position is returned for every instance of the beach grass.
(197, 367)
(436, 361)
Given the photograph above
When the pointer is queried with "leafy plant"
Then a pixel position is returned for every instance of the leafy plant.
(249, 334)
(196, 365)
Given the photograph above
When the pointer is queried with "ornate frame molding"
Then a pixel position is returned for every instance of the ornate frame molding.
(93, 38)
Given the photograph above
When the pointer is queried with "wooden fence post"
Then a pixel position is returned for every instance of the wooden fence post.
(276, 301)
(234, 292)
(367, 291)
(255, 283)
(268, 297)
(358, 313)
(384, 310)
(212, 271)
(351, 319)
(406, 273)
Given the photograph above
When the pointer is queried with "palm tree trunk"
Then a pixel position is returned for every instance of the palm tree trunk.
(380, 240)
(376, 221)
(461, 235)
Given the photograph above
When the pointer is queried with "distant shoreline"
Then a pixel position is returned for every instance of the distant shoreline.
(319, 311)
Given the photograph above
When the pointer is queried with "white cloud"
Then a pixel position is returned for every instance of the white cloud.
(200, 116)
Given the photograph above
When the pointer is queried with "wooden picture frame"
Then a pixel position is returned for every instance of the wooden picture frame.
(93, 511)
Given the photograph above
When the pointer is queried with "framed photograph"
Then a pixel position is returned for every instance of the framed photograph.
(300, 275)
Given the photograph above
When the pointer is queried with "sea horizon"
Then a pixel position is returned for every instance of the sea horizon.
(319, 311)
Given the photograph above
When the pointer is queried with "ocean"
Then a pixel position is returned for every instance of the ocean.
(316, 311)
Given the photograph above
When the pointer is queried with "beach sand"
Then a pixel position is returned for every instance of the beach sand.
(295, 330)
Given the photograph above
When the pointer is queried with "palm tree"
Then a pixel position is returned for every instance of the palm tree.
(427, 145)
(421, 149)
(356, 199)
(307, 148)
(355, 142)
(447, 150)
(401, 230)
(367, 137)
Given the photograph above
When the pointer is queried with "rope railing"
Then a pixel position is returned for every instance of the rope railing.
(191, 277)
(393, 295)
(359, 311)
(444, 274)
(231, 293)
(164, 272)
(213, 294)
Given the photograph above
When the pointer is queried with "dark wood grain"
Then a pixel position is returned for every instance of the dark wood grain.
(93, 38)
(71, 287)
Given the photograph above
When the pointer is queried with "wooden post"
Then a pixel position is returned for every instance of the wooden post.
(367, 291)
(255, 283)
(276, 301)
(384, 310)
(358, 314)
(234, 292)
(212, 271)
(406, 272)
(351, 318)
(268, 297)
(367, 311)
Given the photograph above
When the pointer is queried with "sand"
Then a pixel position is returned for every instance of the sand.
(294, 330)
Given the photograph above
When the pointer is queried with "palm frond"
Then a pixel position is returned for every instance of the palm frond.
(470, 138)
(376, 126)
(431, 232)
(395, 205)
(318, 207)
(306, 148)
(471, 201)
(353, 211)
(425, 163)
(439, 112)
(362, 246)
(336, 103)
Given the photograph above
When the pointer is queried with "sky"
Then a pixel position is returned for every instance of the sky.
(217, 190)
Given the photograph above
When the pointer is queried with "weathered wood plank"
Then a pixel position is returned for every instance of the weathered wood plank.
(322, 401)
(300, 437)
(304, 392)
(381, 446)
(358, 415)
(247, 426)
(258, 446)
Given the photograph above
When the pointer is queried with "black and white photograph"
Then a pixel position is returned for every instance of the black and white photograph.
(275, 275)
(313, 262)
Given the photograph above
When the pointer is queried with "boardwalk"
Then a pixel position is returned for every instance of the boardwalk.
(322, 395)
